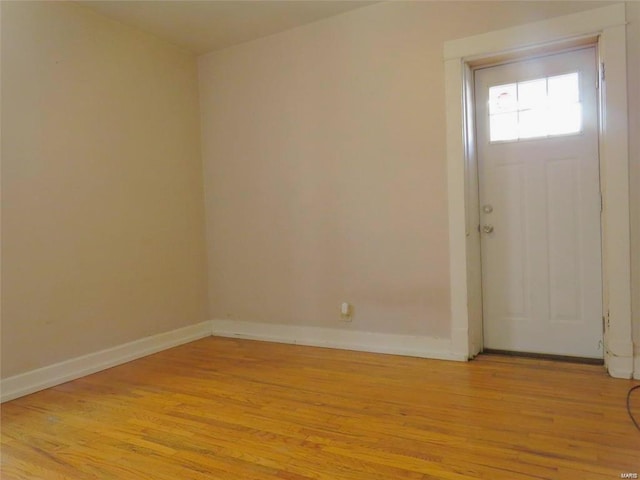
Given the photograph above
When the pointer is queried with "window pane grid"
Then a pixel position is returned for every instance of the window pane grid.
(538, 108)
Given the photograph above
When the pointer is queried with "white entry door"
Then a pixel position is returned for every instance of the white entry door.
(537, 143)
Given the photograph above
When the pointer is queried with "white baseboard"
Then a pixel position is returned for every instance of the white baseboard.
(636, 366)
(41, 378)
(409, 345)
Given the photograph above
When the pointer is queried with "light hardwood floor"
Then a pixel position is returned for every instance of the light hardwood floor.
(236, 409)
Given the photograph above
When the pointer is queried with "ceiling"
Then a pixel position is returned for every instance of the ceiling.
(203, 26)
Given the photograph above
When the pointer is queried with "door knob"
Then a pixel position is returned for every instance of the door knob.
(487, 228)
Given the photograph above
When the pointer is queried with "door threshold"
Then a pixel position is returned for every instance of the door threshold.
(546, 356)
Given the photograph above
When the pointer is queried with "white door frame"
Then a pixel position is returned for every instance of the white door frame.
(605, 27)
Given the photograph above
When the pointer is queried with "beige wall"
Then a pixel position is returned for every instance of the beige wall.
(324, 162)
(324, 154)
(102, 208)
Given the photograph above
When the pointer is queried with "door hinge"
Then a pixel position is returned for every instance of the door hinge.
(602, 72)
(601, 203)
(606, 323)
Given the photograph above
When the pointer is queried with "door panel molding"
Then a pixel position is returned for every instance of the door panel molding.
(607, 26)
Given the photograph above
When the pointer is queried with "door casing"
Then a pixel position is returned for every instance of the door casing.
(604, 27)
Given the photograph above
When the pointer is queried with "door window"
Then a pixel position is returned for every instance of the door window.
(538, 108)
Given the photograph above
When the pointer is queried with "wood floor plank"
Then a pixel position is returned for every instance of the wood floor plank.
(237, 409)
